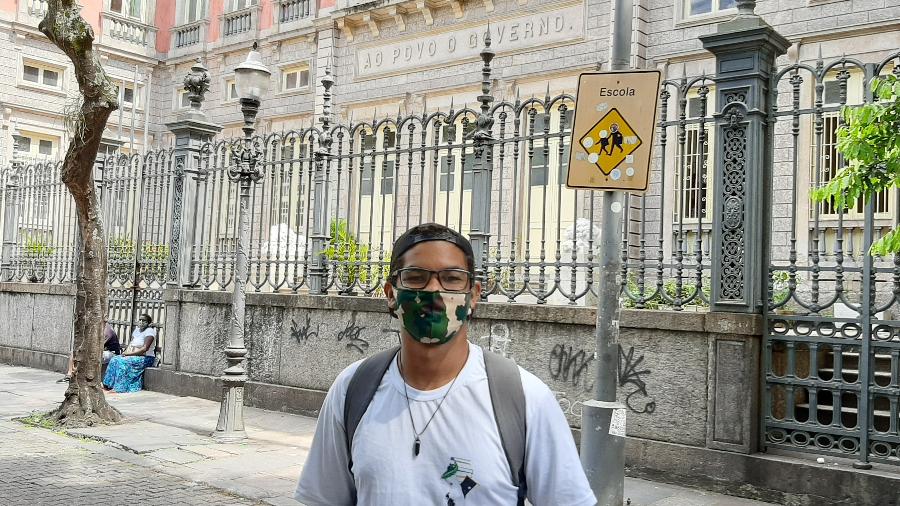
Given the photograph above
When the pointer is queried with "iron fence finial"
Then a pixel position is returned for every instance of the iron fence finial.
(197, 83)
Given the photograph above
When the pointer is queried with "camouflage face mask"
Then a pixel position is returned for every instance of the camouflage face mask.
(432, 317)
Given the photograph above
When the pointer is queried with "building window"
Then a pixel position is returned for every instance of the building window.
(236, 5)
(366, 183)
(448, 172)
(695, 163)
(195, 10)
(295, 78)
(706, 7)
(231, 90)
(367, 141)
(830, 159)
(128, 97)
(448, 134)
(182, 100)
(129, 8)
(33, 145)
(23, 144)
(567, 121)
(538, 171)
(387, 177)
(42, 75)
(284, 211)
(448, 166)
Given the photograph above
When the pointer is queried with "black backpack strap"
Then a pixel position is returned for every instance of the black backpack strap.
(360, 392)
(508, 400)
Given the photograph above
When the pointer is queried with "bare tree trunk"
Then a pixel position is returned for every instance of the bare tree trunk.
(84, 403)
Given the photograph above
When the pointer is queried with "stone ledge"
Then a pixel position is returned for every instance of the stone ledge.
(301, 401)
(718, 323)
(35, 359)
(39, 288)
(764, 477)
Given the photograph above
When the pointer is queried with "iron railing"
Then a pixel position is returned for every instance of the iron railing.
(832, 346)
(384, 176)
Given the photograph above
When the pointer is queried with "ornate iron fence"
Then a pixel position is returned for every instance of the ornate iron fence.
(38, 223)
(380, 177)
(832, 346)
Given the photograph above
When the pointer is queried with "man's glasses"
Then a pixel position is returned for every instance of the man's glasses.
(451, 280)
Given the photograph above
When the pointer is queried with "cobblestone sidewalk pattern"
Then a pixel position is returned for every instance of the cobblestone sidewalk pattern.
(38, 469)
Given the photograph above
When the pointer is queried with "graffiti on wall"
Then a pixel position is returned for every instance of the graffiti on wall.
(302, 332)
(497, 340)
(631, 376)
(571, 366)
(350, 336)
(569, 407)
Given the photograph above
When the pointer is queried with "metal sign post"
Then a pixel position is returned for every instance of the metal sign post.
(612, 140)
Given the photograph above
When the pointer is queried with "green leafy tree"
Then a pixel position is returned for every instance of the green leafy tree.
(870, 142)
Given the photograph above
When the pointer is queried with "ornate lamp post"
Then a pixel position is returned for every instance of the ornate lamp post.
(252, 82)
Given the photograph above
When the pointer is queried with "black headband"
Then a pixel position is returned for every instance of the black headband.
(416, 236)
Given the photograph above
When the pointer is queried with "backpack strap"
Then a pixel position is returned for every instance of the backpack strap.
(360, 392)
(508, 400)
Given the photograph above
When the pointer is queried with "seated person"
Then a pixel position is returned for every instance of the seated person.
(111, 345)
(125, 372)
(111, 348)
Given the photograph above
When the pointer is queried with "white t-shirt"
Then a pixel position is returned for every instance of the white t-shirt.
(463, 436)
(138, 339)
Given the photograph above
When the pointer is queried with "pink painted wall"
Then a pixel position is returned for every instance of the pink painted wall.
(8, 5)
(265, 15)
(90, 11)
(325, 4)
(164, 21)
(216, 8)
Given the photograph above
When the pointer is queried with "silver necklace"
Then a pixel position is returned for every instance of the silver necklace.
(417, 444)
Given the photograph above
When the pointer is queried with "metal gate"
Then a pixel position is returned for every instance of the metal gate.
(832, 345)
(135, 198)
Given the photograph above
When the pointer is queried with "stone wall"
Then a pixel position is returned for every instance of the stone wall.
(36, 324)
(687, 378)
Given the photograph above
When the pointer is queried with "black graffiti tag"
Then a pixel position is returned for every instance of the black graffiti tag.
(350, 334)
(630, 375)
(302, 333)
(570, 366)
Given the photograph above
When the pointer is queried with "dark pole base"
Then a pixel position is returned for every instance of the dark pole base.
(603, 450)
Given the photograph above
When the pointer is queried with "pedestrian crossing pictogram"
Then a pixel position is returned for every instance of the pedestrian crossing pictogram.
(610, 142)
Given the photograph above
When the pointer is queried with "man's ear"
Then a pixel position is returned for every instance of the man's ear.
(476, 296)
(391, 298)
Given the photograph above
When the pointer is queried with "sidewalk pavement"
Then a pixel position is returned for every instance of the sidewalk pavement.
(169, 435)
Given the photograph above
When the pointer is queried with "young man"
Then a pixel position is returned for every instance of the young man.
(429, 435)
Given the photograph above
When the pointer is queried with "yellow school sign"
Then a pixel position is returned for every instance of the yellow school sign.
(612, 139)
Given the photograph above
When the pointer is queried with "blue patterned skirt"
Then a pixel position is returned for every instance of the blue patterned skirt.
(126, 374)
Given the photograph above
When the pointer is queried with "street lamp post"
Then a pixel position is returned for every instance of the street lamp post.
(252, 81)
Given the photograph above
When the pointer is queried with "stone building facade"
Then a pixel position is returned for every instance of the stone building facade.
(393, 58)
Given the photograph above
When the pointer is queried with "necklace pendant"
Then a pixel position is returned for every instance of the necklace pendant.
(416, 447)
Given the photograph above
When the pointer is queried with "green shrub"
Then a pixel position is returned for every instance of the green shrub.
(671, 289)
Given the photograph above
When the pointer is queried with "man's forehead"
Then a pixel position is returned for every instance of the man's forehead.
(444, 253)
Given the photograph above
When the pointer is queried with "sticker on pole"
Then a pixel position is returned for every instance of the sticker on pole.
(617, 423)
(615, 120)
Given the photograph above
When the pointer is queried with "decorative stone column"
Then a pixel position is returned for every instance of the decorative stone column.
(192, 131)
(745, 49)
